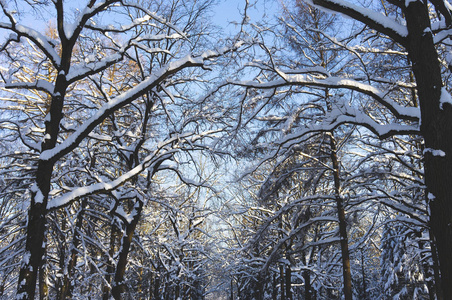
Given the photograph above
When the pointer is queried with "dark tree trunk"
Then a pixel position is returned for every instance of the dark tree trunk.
(110, 264)
(363, 274)
(436, 128)
(346, 272)
(157, 287)
(281, 282)
(288, 283)
(275, 287)
(119, 286)
(307, 285)
(43, 286)
(436, 273)
(34, 249)
(259, 288)
(37, 213)
(66, 290)
(231, 295)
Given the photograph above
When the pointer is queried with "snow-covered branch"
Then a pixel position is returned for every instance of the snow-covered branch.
(150, 161)
(125, 98)
(40, 40)
(371, 18)
(400, 112)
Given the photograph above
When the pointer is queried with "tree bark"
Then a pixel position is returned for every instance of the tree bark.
(346, 272)
(110, 264)
(37, 213)
(281, 282)
(119, 286)
(43, 286)
(66, 289)
(36, 227)
(363, 274)
(288, 283)
(436, 128)
(437, 275)
(307, 285)
(275, 287)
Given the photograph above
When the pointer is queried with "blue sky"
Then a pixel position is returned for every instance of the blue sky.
(226, 12)
(229, 10)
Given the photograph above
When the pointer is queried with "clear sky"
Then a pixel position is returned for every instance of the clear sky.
(230, 11)
(226, 13)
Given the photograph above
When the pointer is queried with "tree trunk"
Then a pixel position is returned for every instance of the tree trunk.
(281, 282)
(231, 295)
(346, 272)
(157, 287)
(436, 273)
(43, 286)
(275, 288)
(66, 290)
(363, 274)
(36, 228)
(436, 128)
(307, 285)
(110, 264)
(119, 286)
(259, 288)
(37, 213)
(288, 283)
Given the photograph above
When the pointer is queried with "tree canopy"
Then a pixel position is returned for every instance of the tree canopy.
(148, 153)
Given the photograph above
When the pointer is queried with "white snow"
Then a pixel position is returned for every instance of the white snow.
(75, 138)
(39, 38)
(82, 70)
(338, 82)
(120, 211)
(108, 186)
(375, 16)
(26, 257)
(434, 152)
(39, 197)
(69, 29)
(39, 85)
(445, 97)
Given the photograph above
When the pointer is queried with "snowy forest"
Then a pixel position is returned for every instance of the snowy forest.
(300, 151)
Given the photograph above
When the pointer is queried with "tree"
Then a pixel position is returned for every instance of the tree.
(69, 93)
(393, 99)
(420, 34)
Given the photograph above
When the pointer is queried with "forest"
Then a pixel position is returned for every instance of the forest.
(148, 152)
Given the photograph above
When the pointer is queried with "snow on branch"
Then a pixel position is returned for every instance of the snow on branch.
(154, 159)
(371, 18)
(338, 116)
(72, 31)
(154, 16)
(127, 97)
(41, 41)
(347, 115)
(399, 111)
(25, 140)
(39, 85)
(80, 71)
